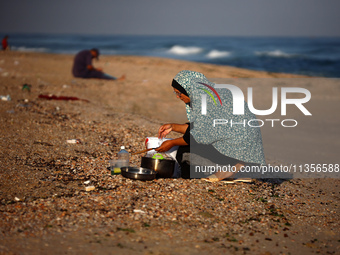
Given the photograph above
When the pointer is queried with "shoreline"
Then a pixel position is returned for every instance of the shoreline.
(253, 72)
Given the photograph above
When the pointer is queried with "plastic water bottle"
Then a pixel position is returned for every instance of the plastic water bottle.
(123, 155)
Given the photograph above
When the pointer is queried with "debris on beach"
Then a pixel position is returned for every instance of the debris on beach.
(73, 141)
(5, 98)
(26, 87)
(90, 188)
(65, 98)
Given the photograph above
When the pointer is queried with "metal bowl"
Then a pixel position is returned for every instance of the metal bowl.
(163, 167)
(138, 173)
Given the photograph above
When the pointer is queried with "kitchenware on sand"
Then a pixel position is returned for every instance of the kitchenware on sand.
(163, 167)
(138, 173)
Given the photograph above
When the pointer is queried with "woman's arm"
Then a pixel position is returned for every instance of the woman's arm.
(167, 145)
(179, 128)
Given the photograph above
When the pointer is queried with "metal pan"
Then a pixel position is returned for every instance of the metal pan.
(163, 167)
(138, 173)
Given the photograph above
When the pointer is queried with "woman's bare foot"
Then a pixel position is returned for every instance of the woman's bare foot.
(211, 178)
(219, 176)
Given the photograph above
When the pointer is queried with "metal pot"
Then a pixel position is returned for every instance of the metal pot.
(138, 173)
(163, 167)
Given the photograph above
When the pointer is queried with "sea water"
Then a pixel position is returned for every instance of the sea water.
(316, 56)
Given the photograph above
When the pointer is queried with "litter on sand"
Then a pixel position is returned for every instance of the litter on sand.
(89, 188)
(65, 98)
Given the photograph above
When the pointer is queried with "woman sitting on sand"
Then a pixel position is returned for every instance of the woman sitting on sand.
(202, 144)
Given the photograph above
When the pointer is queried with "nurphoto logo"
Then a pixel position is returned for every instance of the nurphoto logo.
(238, 104)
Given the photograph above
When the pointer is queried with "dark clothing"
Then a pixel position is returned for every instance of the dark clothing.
(187, 158)
(186, 136)
(81, 61)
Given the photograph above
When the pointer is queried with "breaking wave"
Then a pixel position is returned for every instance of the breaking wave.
(218, 54)
(27, 49)
(182, 50)
(274, 53)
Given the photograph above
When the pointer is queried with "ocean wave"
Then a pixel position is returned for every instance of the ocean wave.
(182, 50)
(218, 54)
(27, 49)
(274, 53)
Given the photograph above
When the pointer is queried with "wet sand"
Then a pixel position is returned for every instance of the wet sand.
(45, 208)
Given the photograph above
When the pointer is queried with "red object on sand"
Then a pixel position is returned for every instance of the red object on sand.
(4, 43)
(54, 97)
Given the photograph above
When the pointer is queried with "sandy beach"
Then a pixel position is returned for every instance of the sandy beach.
(44, 205)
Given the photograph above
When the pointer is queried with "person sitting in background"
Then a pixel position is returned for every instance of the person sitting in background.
(83, 67)
(5, 45)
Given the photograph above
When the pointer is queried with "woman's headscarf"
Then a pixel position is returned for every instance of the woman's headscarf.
(239, 141)
(186, 80)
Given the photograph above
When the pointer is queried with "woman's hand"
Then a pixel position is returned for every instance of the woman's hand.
(164, 130)
(165, 146)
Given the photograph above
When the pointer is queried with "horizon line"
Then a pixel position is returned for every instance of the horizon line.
(165, 35)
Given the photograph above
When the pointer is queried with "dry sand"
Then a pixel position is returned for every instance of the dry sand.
(45, 209)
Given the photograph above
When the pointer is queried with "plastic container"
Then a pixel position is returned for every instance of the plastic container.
(123, 156)
(154, 142)
(115, 166)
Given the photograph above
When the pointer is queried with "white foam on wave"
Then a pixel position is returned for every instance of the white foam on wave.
(181, 50)
(26, 49)
(274, 53)
(218, 54)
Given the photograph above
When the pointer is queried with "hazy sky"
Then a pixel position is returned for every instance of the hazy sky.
(173, 17)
